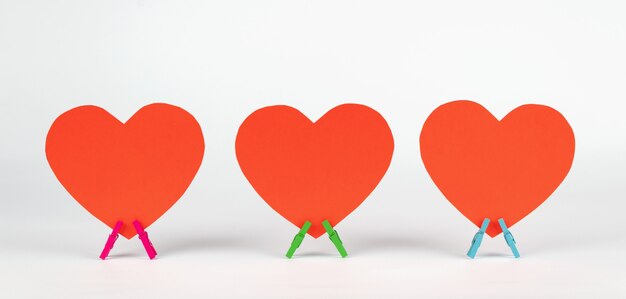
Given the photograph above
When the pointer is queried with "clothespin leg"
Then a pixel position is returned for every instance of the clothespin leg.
(111, 240)
(297, 240)
(145, 240)
(478, 239)
(508, 237)
(334, 237)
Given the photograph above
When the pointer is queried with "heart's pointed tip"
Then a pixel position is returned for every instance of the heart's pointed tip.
(493, 231)
(316, 235)
(493, 235)
(128, 236)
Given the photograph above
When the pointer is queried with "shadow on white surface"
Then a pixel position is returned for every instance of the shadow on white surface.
(404, 243)
(199, 244)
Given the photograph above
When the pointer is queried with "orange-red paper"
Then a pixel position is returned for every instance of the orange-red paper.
(314, 171)
(125, 171)
(496, 169)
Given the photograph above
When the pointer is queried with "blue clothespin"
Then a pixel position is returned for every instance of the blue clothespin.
(478, 238)
(508, 237)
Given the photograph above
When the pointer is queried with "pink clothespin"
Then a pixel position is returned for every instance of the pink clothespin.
(143, 236)
(111, 240)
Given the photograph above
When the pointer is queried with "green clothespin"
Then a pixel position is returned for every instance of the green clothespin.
(334, 237)
(297, 240)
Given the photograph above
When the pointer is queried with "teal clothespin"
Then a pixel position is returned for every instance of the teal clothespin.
(478, 239)
(297, 240)
(508, 237)
(334, 237)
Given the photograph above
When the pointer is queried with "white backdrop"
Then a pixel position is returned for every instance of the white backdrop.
(221, 60)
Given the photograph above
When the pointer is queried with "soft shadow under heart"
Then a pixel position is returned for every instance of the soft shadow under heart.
(315, 254)
(370, 244)
(199, 243)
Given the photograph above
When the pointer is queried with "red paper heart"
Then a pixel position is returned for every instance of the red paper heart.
(125, 171)
(496, 169)
(314, 171)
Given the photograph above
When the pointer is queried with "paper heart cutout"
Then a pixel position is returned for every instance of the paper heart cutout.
(314, 171)
(496, 169)
(125, 171)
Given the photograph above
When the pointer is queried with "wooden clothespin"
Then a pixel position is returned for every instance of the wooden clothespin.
(143, 236)
(111, 240)
(478, 239)
(508, 237)
(334, 237)
(297, 240)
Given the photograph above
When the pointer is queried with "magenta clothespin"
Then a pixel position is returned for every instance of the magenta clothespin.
(111, 240)
(143, 236)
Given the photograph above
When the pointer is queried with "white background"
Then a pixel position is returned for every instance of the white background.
(221, 60)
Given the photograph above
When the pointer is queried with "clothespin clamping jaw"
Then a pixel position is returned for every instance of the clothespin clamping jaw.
(508, 237)
(334, 237)
(478, 239)
(143, 236)
(111, 240)
(297, 240)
